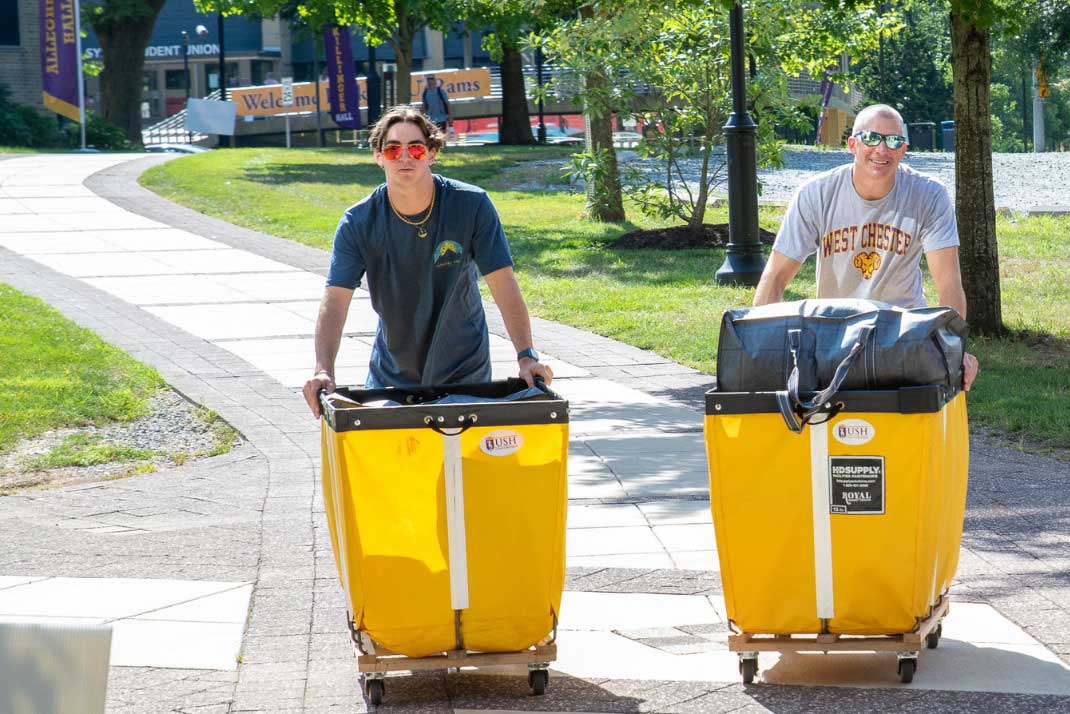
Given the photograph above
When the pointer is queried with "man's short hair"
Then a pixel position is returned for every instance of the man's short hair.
(878, 110)
(432, 134)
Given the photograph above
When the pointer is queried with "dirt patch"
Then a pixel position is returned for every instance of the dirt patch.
(712, 235)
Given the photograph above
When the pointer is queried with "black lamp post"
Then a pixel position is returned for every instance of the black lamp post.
(743, 262)
(185, 75)
(538, 77)
(222, 63)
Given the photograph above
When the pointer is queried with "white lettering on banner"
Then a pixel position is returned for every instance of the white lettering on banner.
(164, 51)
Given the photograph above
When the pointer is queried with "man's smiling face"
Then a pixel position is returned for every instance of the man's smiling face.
(877, 164)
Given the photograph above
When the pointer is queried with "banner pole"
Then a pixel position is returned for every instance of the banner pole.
(81, 79)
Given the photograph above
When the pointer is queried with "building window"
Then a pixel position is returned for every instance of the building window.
(148, 81)
(9, 22)
(175, 79)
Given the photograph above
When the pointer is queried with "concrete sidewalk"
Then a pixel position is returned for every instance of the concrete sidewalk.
(219, 578)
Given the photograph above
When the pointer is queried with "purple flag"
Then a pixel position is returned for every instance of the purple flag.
(345, 99)
(60, 62)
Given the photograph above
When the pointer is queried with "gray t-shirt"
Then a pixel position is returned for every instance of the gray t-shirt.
(432, 329)
(868, 249)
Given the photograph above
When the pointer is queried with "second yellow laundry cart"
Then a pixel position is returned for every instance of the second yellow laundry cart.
(838, 525)
(446, 508)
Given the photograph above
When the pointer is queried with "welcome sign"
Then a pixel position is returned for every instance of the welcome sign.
(267, 100)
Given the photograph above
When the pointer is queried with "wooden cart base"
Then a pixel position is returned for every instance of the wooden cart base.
(906, 645)
(374, 661)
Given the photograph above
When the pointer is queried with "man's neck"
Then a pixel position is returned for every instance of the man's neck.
(871, 190)
(413, 198)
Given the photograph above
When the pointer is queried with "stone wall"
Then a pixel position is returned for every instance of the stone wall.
(20, 66)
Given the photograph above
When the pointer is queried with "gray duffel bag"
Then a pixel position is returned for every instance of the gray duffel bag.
(825, 346)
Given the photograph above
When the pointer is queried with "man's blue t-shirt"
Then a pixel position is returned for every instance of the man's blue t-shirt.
(432, 329)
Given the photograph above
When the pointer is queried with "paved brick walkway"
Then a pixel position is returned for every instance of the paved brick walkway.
(255, 515)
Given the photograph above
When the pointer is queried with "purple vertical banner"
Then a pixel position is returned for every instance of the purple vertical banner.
(59, 57)
(342, 90)
(826, 95)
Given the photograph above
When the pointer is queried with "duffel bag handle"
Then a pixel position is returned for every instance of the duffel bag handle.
(791, 405)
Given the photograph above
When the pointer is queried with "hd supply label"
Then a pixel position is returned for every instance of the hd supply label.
(856, 485)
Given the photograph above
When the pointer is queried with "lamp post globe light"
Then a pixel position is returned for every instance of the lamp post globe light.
(743, 262)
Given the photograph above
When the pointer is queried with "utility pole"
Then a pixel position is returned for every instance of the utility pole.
(1040, 93)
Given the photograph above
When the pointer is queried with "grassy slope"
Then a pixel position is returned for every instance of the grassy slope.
(56, 374)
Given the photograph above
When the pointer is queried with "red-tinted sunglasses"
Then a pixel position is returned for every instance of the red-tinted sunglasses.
(416, 151)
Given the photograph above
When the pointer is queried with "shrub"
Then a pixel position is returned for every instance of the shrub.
(99, 133)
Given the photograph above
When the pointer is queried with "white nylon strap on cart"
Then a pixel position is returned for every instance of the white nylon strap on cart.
(819, 482)
(455, 532)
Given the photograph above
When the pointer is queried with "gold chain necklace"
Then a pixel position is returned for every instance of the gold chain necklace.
(421, 232)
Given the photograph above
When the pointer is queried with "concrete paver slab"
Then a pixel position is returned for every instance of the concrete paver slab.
(599, 406)
(229, 606)
(611, 541)
(677, 512)
(605, 515)
(172, 289)
(106, 598)
(213, 322)
(176, 645)
(686, 537)
(633, 611)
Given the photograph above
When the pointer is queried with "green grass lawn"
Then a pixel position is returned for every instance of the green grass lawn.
(665, 301)
(55, 374)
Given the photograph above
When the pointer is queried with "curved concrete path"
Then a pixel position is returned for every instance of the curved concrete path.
(219, 578)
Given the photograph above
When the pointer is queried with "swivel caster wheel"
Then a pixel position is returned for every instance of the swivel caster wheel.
(907, 667)
(748, 667)
(538, 679)
(932, 640)
(375, 689)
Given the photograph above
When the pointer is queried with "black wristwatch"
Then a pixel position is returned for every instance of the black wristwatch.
(529, 352)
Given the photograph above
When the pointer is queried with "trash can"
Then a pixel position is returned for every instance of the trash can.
(446, 510)
(922, 136)
(947, 135)
(843, 516)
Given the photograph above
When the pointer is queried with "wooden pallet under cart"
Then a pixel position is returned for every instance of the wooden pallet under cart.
(374, 661)
(907, 645)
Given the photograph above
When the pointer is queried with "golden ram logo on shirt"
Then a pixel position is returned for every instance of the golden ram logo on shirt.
(868, 263)
(444, 249)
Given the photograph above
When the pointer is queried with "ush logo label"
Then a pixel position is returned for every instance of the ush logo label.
(501, 442)
(854, 432)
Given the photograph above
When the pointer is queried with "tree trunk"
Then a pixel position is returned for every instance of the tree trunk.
(971, 62)
(407, 29)
(123, 54)
(516, 123)
(604, 201)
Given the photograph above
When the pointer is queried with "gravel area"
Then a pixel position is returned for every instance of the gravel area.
(1021, 181)
(175, 430)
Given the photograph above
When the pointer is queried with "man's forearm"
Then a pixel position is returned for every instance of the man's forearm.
(770, 289)
(329, 326)
(506, 293)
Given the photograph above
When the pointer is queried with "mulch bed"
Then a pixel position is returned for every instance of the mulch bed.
(683, 238)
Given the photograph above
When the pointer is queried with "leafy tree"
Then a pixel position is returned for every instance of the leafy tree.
(509, 19)
(124, 28)
(917, 64)
(668, 65)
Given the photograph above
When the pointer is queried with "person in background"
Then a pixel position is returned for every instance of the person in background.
(435, 103)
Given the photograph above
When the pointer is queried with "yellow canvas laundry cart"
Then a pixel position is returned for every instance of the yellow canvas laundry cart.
(838, 514)
(446, 508)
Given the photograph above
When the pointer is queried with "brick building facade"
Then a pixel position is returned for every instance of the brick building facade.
(20, 58)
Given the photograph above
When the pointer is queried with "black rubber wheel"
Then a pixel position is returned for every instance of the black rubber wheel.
(933, 638)
(907, 667)
(538, 679)
(749, 669)
(376, 689)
